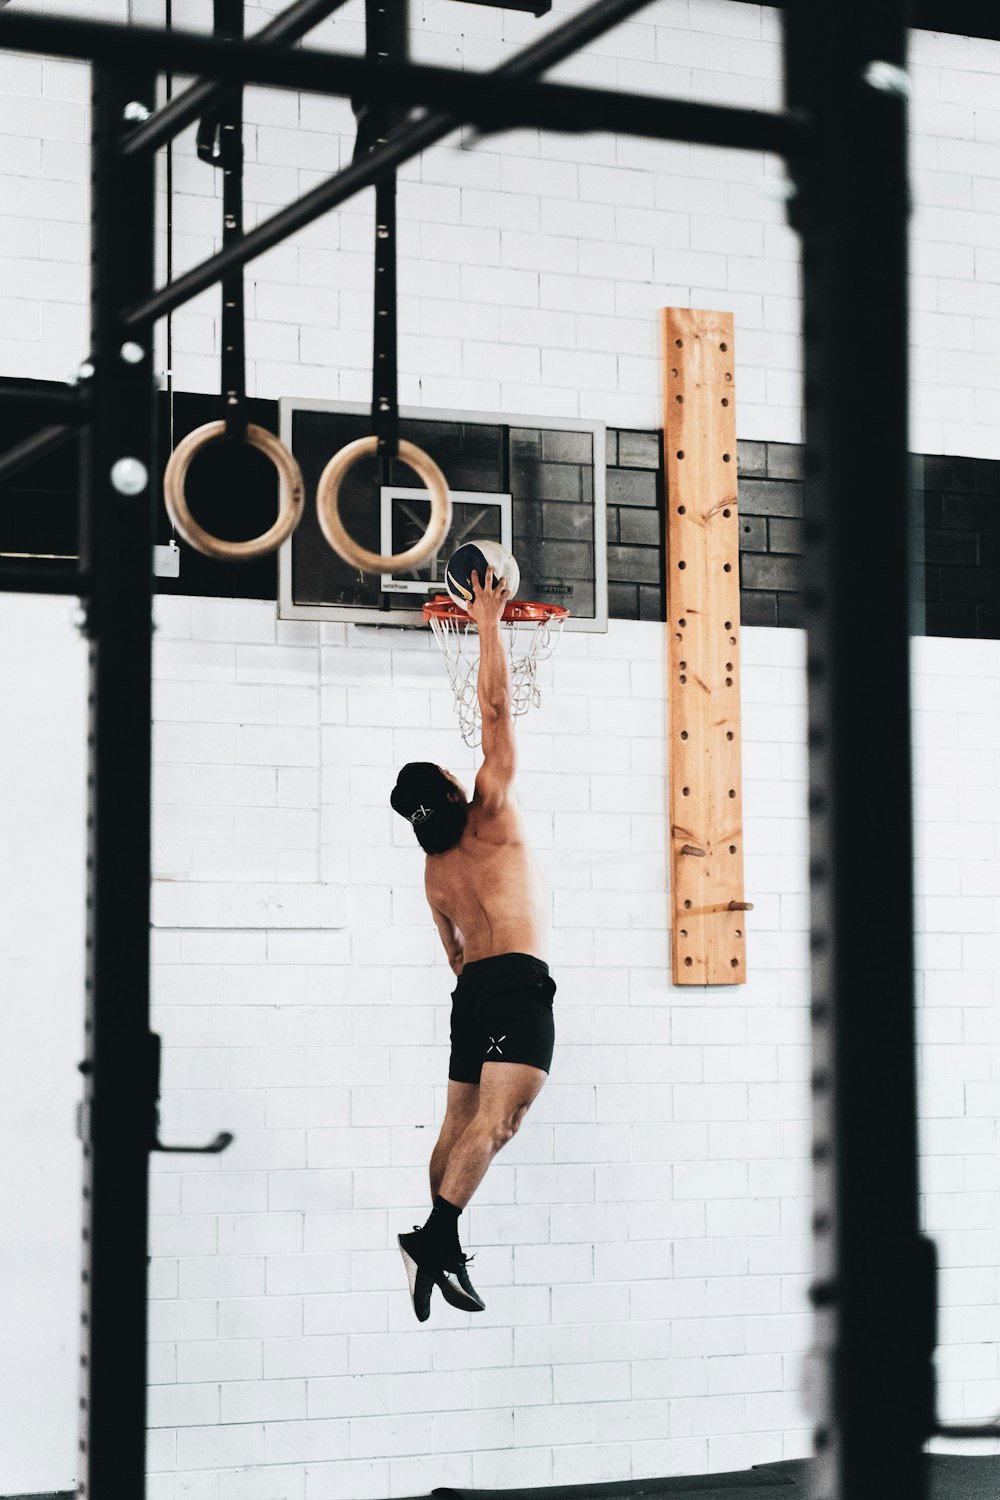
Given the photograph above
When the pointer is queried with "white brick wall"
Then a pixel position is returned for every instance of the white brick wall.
(644, 1242)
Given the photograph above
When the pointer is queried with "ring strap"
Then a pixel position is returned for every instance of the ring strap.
(220, 142)
(385, 42)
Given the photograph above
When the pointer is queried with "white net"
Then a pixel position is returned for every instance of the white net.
(529, 642)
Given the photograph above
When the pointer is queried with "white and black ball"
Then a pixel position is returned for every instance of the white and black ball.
(476, 557)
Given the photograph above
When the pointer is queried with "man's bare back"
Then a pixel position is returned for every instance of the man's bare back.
(487, 894)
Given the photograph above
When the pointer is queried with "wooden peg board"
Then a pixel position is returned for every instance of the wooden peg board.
(703, 656)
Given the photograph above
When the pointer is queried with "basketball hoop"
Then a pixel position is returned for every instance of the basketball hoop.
(533, 632)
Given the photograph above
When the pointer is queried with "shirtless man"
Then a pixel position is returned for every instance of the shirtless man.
(490, 905)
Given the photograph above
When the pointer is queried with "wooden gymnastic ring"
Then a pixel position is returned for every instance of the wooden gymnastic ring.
(328, 490)
(291, 494)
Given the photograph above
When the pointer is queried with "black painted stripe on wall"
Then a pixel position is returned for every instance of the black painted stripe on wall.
(959, 568)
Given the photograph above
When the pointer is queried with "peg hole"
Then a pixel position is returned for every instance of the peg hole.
(732, 848)
(683, 932)
(734, 963)
(685, 791)
(682, 623)
(682, 564)
(728, 375)
(728, 513)
(683, 678)
(680, 453)
(729, 624)
(679, 400)
(684, 734)
(674, 373)
(727, 567)
(725, 400)
(688, 962)
(725, 458)
(729, 734)
(729, 666)
(723, 347)
(687, 906)
(739, 932)
(732, 791)
(683, 665)
(679, 343)
(682, 510)
(729, 682)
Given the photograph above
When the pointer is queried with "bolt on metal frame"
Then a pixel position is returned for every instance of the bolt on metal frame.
(843, 136)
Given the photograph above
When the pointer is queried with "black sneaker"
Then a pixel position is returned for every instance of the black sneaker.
(456, 1288)
(421, 1278)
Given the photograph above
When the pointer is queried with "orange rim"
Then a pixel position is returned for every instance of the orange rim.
(445, 608)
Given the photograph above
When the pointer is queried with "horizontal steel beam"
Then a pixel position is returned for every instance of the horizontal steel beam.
(956, 17)
(206, 95)
(492, 101)
(27, 452)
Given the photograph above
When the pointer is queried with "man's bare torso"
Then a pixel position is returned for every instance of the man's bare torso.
(490, 886)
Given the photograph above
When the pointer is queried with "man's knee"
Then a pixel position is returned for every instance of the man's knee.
(504, 1127)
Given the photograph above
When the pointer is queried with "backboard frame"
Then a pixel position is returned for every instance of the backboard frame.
(394, 583)
(288, 609)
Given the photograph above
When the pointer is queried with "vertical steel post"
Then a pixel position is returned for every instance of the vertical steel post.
(870, 1377)
(118, 1115)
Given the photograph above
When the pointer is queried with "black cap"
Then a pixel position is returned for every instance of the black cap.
(421, 790)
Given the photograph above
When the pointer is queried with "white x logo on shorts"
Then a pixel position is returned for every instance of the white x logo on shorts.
(495, 1043)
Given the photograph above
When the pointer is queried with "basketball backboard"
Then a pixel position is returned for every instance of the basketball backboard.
(535, 484)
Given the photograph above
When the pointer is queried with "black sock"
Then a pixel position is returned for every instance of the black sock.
(441, 1228)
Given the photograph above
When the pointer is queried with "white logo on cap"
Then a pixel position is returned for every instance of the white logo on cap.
(421, 815)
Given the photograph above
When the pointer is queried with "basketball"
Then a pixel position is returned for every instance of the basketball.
(476, 557)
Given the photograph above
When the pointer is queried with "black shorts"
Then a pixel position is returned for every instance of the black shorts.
(501, 1011)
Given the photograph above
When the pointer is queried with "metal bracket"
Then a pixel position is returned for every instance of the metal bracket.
(222, 1140)
(214, 1147)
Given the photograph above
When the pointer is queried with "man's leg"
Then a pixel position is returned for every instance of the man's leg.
(506, 1092)
(463, 1104)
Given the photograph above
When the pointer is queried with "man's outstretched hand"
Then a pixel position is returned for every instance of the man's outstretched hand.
(489, 599)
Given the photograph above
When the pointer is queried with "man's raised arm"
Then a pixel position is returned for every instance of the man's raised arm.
(496, 775)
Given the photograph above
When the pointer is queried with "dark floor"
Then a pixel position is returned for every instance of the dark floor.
(952, 1477)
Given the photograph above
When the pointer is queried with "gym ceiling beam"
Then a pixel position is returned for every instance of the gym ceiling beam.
(969, 18)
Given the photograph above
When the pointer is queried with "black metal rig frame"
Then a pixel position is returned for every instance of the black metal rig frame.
(843, 137)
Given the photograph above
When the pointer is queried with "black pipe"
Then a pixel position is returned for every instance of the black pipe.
(206, 95)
